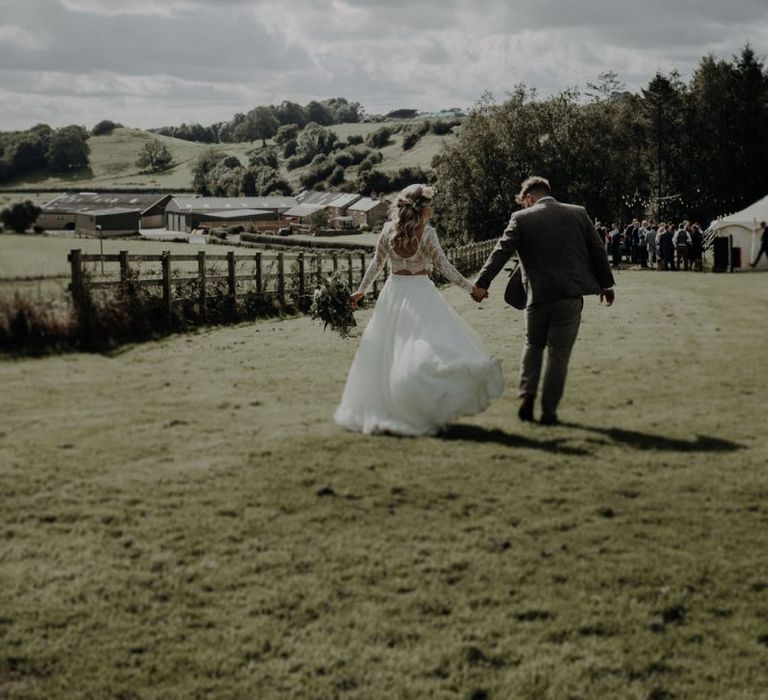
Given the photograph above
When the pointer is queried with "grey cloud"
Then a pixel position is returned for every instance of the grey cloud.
(209, 45)
(211, 58)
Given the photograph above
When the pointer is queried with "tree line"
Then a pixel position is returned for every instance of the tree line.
(674, 151)
(59, 150)
(263, 122)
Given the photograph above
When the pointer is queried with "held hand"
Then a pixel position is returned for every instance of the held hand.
(478, 293)
(607, 296)
(354, 299)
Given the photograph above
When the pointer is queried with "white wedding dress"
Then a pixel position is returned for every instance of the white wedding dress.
(419, 364)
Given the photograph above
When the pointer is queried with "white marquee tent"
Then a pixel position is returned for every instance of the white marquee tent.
(743, 226)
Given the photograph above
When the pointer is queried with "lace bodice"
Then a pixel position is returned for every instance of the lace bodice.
(429, 255)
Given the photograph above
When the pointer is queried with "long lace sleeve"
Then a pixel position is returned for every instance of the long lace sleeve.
(434, 251)
(376, 265)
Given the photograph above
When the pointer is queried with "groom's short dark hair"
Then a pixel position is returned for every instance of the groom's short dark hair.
(534, 184)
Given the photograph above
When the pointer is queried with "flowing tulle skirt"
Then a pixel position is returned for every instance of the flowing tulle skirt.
(419, 365)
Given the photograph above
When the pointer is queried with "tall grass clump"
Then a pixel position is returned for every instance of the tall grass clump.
(101, 320)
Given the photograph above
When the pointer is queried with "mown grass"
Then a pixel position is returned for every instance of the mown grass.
(182, 519)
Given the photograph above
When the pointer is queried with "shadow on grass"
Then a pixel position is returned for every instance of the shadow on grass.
(476, 433)
(648, 441)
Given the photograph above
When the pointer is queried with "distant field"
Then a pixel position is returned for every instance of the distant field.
(46, 256)
(39, 198)
(113, 161)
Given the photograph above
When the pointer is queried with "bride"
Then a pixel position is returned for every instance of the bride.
(419, 364)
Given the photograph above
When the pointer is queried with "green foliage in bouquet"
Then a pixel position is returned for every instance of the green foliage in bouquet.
(330, 304)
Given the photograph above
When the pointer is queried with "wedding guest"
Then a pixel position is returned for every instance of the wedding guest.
(650, 242)
(666, 248)
(697, 248)
(642, 248)
(632, 236)
(614, 246)
(763, 244)
(682, 240)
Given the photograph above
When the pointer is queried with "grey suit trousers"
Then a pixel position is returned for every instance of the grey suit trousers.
(553, 325)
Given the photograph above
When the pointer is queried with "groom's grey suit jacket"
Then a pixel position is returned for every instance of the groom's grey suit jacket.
(560, 252)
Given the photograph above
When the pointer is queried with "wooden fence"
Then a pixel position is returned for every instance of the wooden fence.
(285, 278)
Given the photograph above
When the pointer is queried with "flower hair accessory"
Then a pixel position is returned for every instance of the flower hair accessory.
(417, 195)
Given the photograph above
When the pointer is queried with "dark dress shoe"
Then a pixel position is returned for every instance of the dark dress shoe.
(525, 412)
(549, 419)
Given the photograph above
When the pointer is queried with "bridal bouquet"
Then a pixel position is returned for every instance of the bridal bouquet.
(330, 304)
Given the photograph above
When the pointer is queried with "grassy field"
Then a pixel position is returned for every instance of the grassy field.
(113, 161)
(39, 198)
(46, 256)
(183, 520)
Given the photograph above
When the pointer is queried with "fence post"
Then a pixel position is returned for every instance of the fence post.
(302, 290)
(232, 277)
(258, 275)
(349, 272)
(281, 278)
(76, 285)
(362, 266)
(335, 258)
(201, 283)
(166, 264)
(124, 271)
(319, 263)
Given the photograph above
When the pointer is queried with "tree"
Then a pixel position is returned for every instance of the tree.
(205, 163)
(751, 107)
(259, 123)
(225, 180)
(265, 156)
(313, 140)
(318, 113)
(342, 111)
(28, 151)
(286, 133)
(373, 181)
(664, 104)
(608, 85)
(154, 156)
(261, 180)
(291, 113)
(319, 220)
(68, 149)
(20, 216)
(379, 138)
(105, 126)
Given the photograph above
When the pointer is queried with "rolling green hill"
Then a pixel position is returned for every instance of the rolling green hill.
(113, 161)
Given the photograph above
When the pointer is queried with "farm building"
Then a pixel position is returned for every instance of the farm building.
(368, 212)
(61, 212)
(335, 203)
(115, 221)
(301, 213)
(188, 213)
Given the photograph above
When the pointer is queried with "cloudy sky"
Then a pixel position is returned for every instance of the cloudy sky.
(150, 63)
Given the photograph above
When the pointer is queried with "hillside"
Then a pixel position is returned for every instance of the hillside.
(113, 161)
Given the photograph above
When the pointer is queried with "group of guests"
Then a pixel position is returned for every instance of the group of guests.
(661, 246)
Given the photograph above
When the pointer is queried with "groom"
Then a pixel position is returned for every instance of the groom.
(562, 258)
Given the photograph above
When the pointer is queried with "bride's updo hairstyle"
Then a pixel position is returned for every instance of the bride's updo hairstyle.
(407, 211)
